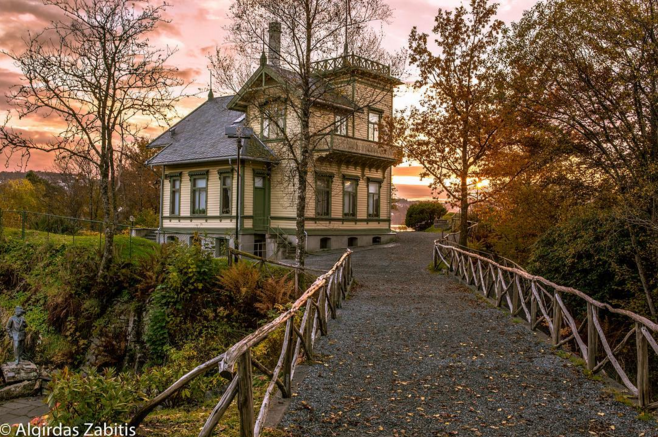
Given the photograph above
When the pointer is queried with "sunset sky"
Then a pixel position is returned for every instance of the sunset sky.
(196, 27)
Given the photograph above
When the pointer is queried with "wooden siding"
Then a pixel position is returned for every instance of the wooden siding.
(212, 218)
(282, 184)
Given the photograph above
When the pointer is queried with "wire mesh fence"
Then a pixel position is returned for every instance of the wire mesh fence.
(40, 227)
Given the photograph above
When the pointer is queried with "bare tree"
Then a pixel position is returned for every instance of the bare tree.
(314, 31)
(96, 72)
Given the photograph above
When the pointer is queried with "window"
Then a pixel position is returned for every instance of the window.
(174, 186)
(349, 197)
(325, 243)
(221, 247)
(340, 125)
(226, 181)
(373, 198)
(260, 246)
(374, 120)
(259, 182)
(352, 242)
(199, 194)
(323, 196)
(273, 121)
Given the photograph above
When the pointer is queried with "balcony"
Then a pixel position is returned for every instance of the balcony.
(327, 66)
(357, 151)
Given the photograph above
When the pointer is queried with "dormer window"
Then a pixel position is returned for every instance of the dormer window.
(340, 125)
(374, 121)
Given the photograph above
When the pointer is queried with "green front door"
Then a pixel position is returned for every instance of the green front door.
(261, 198)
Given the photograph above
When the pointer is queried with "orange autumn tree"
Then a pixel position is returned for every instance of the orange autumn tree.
(460, 123)
(589, 77)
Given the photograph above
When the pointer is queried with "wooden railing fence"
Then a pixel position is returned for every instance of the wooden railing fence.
(318, 303)
(352, 60)
(541, 302)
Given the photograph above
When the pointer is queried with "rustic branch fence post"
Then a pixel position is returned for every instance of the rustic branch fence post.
(245, 395)
(642, 367)
(322, 310)
(287, 362)
(308, 329)
(592, 337)
(516, 292)
(557, 320)
(533, 309)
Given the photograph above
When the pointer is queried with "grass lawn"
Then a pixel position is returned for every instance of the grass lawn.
(447, 217)
(434, 230)
(141, 247)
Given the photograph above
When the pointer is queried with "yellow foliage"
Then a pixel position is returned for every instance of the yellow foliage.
(21, 194)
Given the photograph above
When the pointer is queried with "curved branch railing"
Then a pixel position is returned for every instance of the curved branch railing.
(539, 301)
(319, 302)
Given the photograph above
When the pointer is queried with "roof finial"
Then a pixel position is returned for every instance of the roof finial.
(347, 12)
(210, 93)
(263, 58)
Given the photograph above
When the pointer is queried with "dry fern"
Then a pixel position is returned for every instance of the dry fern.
(240, 280)
(273, 293)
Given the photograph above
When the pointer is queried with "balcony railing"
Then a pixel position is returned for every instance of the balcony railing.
(358, 146)
(342, 62)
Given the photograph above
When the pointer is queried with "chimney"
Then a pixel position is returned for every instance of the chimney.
(274, 44)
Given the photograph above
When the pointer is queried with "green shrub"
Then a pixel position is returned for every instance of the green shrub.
(155, 380)
(177, 305)
(421, 215)
(590, 251)
(92, 397)
(157, 334)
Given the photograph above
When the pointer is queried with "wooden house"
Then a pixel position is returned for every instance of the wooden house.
(349, 186)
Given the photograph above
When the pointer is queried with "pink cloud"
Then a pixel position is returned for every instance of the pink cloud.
(195, 28)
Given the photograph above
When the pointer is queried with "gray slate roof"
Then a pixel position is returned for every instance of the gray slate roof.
(200, 137)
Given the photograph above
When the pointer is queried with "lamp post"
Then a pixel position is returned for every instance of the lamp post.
(237, 197)
(130, 238)
(239, 132)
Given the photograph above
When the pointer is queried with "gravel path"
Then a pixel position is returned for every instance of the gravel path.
(414, 353)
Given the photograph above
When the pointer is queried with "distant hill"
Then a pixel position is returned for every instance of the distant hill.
(397, 216)
(51, 176)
